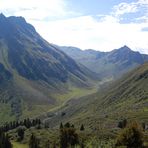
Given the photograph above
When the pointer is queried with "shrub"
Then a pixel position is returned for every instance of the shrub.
(131, 136)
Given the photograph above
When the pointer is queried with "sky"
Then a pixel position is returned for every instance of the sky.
(88, 24)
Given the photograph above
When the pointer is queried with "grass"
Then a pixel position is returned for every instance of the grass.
(34, 110)
(125, 98)
(30, 109)
(96, 139)
(5, 113)
(74, 93)
(43, 135)
(19, 145)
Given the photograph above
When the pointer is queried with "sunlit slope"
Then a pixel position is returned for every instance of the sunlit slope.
(124, 98)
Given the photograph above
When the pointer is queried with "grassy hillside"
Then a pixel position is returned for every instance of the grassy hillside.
(100, 113)
(125, 98)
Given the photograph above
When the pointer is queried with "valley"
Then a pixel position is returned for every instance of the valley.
(60, 96)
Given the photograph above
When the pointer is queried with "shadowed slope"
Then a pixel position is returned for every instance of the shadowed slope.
(35, 70)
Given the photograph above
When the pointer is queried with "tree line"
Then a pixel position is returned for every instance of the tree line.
(4, 138)
(26, 122)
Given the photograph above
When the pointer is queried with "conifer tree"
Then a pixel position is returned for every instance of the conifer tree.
(33, 142)
(67, 125)
(4, 141)
(61, 125)
(68, 136)
(20, 133)
(82, 128)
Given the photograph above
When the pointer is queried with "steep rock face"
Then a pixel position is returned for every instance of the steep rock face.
(31, 55)
(107, 64)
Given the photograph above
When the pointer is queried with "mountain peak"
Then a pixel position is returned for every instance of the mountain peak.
(17, 19)
(125, 48)
(20, 21)
(2, 15)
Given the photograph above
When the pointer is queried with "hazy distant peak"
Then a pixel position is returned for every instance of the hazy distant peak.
(125, 47)
(2, 15)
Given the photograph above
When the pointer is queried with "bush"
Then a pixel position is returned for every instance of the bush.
(131, 137)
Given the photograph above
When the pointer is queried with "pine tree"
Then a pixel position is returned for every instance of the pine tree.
(7, 142)
(47, 144)
(82, 128)
(61, 125)
(67, 125)
(4, 141)
(20, 133)
(122, 124)
(68, 136)
(33, 142)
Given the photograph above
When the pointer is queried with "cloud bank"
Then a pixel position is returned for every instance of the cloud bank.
(126, 24)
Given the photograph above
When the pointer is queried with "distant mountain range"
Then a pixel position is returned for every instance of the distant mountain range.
(107, 64)
(32, 70)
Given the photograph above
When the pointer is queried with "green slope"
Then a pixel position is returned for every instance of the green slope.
(125, 98)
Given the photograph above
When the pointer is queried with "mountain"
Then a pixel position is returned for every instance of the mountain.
(107, 64)
(125, 98)
(32, 71)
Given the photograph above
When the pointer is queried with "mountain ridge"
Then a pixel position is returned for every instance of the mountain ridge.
(35, 71)
(107, 64)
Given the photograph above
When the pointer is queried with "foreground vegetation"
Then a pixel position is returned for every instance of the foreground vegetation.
(34, 134)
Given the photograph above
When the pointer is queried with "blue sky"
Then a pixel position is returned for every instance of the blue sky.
(97, 24)
(94, 7)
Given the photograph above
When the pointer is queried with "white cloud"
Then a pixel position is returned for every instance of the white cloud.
(52, 20)
(34, 9)
(143, 2)
(123, 8)
(140, 6)
(85, 32)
